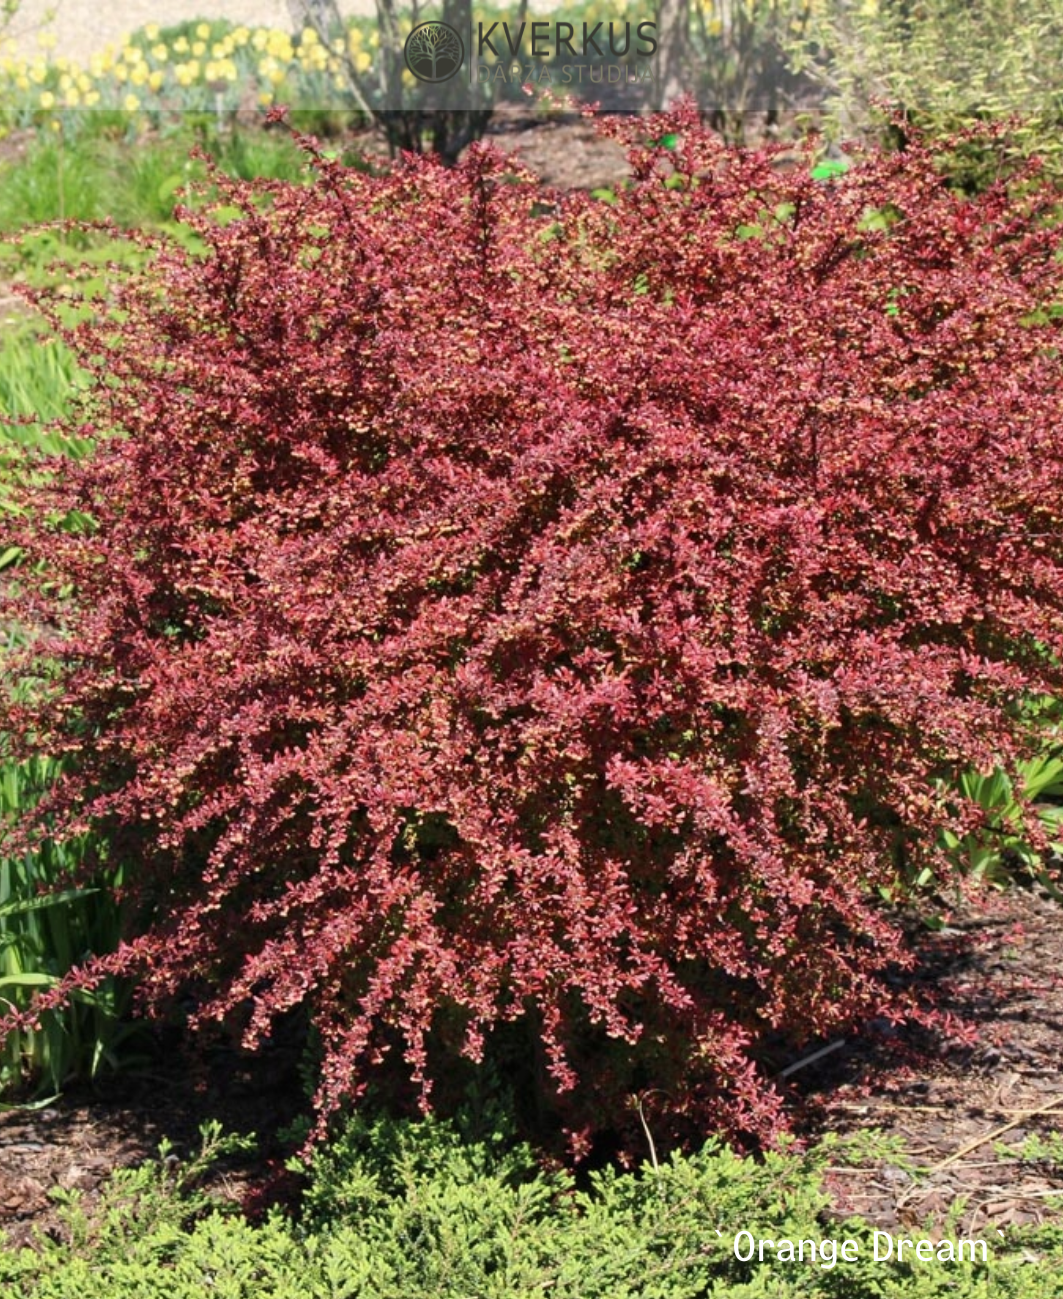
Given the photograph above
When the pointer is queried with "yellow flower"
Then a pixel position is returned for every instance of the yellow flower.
(354, 39)
(56, 126)
(132, 54)
(240, 36)
(37, 73)
(139, 75)
(151, 31)
(47, 40)
(84, 84)
(260, 39)
(180, 46)
(121, 72)
(279, 45)
(339, 82)
(203, 31)
(23, 83)
(221, 70)
(199, 48)
(339, 45)
(71, 99)
(47, 99)
(277, 76)
(265, 98)
(309, 36)
(92, 98)
(131, 103)
(66, 81)
(61, 62)
(156, 80)
(159, 52)
(362, 61)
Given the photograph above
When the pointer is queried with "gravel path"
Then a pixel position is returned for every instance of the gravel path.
(82, 27)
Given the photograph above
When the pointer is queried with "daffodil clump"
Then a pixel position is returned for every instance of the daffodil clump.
(206, 66)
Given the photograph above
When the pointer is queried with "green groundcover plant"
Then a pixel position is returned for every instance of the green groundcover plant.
(498, 616)
(399, 1210)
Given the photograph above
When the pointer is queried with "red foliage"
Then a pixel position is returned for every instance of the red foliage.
(492, 614)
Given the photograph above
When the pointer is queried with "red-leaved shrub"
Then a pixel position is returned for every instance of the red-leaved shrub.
(503, 606)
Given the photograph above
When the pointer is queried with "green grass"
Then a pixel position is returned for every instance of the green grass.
(38, 376)
(98, 177)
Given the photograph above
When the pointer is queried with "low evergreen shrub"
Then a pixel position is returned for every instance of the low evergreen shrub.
(401, 1210)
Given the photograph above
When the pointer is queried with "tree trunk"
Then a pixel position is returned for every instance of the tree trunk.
(673, 47)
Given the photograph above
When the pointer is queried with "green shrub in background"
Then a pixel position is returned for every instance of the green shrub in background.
(942, 64)
(413, 1211)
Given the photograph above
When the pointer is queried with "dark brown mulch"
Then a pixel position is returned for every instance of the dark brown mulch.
(78, 1140)
(565, 152)
(961, 1110)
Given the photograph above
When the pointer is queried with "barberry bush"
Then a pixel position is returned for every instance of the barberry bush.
(492, 608)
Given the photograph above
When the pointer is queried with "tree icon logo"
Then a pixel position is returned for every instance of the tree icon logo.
(434, 51)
